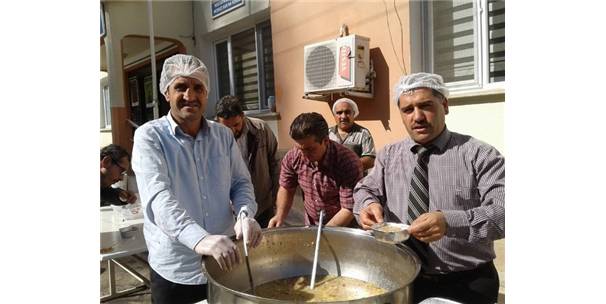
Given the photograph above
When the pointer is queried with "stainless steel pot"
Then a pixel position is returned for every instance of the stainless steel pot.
(288, 252)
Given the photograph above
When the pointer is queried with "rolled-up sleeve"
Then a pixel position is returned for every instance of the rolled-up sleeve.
(160, 204)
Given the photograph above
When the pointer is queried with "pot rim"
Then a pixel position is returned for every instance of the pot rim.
(360, 232)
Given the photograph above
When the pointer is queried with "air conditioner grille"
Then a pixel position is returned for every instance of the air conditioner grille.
(320, 66)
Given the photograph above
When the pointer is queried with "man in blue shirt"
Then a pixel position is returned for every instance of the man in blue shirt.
(191, 180)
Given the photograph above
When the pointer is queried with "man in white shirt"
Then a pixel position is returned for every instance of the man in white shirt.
(191, 178)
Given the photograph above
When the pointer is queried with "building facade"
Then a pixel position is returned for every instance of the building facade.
(255, 49)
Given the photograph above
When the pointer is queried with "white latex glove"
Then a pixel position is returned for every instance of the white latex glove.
(221, 248)
(249, 227)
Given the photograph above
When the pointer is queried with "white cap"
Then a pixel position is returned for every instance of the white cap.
(352, 103)
(420, 80)
(183, 66)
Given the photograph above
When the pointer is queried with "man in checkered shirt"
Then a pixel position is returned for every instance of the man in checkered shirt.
(326, 171)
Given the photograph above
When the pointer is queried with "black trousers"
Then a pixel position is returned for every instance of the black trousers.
(479, 285)
(166, 292)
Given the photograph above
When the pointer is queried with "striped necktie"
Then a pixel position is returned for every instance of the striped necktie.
(418, 196)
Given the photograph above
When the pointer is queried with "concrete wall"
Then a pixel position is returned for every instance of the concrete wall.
(298, 23)
(484, 121)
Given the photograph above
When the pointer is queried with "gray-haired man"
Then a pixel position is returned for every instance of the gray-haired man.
(351, 134)
(449, 187)
(191, 177)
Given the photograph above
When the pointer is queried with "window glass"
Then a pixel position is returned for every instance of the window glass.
(453, 40)
(496, 40)
(465, 41)
(246, 79)
(107, 108)
(223, 68)
(268, 63)
(252, 71)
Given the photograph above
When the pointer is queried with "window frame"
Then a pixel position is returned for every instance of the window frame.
(263, 105)
(480, 85)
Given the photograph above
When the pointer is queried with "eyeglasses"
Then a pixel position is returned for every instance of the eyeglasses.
(122, 169)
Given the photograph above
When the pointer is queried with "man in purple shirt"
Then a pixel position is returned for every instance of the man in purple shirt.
(326, 171)
(450, 187)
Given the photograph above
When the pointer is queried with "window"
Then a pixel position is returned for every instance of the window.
(106, 119)
(245, 67)
(464, 41)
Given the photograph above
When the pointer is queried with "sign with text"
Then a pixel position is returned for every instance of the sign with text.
(222, 7)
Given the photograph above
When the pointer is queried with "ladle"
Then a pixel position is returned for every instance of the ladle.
(313, 270)
(245, 240)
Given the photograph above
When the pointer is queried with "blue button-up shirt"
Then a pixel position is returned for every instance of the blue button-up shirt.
(186, 185)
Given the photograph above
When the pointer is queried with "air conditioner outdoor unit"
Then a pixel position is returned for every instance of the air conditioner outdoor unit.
(337, 65)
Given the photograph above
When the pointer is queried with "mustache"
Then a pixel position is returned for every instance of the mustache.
(420, 125)
(184, 103)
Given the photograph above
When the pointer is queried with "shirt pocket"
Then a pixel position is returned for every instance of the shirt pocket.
(456, 190)
(219, 171)
(328, 189)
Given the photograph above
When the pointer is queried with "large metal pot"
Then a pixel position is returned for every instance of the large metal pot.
(288, 252)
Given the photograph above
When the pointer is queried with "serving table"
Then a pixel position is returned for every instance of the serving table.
(115, 246)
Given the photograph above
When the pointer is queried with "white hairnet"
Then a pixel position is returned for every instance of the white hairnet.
(420, 80)
(183, 66)
(353, 105)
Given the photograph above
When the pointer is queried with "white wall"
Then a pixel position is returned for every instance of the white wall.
(484, 121)
(105, 138)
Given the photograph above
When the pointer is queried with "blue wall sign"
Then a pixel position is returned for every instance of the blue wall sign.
(221, 7)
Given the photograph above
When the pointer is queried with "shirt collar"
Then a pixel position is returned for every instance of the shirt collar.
(174, 126)
(354, 128)
(439, 142)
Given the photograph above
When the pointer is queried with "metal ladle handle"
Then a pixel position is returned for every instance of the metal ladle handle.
(313, 270)
(245, 240)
